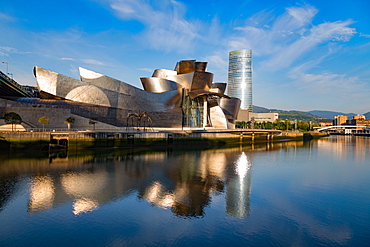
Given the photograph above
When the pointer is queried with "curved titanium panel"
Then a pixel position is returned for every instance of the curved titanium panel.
(54, 83)
(158, 85)
(128, 97)
(199, 92)
(219, 85)
(218, 118)
(91, 95)
(200, 66)
(185, 66)
(163, 73)
(202, 80)
(97, 79)
(231, 107)
(185, 80)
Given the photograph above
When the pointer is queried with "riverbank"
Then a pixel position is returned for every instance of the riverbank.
(175, 138)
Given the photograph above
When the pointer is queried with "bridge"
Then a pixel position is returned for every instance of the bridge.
(9, 87)
(341, 127)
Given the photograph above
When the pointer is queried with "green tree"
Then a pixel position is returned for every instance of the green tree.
(44, 120)
(269, 125)
(279, 124)
(12, 118)
(303, 126)
(92, 121)
(69, 121)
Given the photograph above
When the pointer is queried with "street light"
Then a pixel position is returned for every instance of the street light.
(7, 65)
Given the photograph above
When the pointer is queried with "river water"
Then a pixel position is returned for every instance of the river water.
(313, 193)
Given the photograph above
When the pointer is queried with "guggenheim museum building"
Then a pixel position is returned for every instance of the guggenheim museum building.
(183, 97)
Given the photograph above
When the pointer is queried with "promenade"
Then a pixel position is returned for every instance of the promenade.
(136, 138)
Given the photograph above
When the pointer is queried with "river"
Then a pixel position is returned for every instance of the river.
(314, 193)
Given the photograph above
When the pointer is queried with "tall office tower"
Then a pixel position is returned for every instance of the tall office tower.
(240, 77)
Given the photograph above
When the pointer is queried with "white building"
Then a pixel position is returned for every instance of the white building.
(246, 116)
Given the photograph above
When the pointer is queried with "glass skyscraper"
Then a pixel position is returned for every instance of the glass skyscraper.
(240, 77)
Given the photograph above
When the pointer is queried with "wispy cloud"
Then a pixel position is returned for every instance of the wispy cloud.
(146, 70)
(6, 51)
(166, 27)
(6, 17)
(217, 61)
(365, 35)
(86, 61)
(67, 59)
(327, 83)
(285, 39)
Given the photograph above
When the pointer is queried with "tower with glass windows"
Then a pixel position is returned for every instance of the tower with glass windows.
(240, 77)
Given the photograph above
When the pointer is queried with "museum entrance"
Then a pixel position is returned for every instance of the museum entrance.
(195, 112)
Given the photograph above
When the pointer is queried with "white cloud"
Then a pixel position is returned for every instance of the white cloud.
(91, 61)
(146, 70)
(6, 51)
(87, 61)
(287, 38)
(365, 35)
(328, 83)
(217, 61)
(166, 26)
(67, 59)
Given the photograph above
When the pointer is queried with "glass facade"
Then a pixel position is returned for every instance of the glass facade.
(240, 77)
(193, 111)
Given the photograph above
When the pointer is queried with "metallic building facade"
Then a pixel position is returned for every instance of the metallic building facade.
(183, 97)
(240, 77)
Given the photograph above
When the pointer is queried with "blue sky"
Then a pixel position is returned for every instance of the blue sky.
(307, 55)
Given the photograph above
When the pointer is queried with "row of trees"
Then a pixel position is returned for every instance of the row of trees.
(14, 119)
(279, 125)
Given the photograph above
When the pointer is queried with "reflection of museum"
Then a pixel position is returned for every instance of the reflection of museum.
(184, 97)
(182, 183)
(185, 183)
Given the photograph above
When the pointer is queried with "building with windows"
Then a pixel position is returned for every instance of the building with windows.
(359, 120)
(339, 120)
(240, 77)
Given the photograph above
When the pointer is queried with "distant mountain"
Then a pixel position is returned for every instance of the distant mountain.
(315, 115)
(331, 114)
(301, 116)
(259, 109)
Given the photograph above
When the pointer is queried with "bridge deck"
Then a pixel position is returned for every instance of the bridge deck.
(9, 87)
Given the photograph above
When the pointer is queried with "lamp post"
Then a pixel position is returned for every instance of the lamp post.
(7, 66)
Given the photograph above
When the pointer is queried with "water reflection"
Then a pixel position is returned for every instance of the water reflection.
(344, 146)
(292, 193)
(239, 188)
(42, 193)
(181, 182)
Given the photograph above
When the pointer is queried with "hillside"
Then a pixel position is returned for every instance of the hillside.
(315, 115)
(293, 115)
(330, 114)
(301, 116)
(259, 109)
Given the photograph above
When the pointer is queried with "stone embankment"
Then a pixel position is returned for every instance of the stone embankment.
(87, 140)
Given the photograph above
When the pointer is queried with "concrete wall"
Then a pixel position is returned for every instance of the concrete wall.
(108, 117)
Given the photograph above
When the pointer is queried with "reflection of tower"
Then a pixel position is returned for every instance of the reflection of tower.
(240, 77)
(239, 189)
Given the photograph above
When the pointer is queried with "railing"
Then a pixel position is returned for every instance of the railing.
(118, 130)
